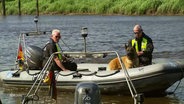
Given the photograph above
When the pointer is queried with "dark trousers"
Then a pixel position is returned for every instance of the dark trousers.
(53, 89)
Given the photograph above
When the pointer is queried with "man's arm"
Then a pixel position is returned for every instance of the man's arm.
(130, 43)
(56, 59)
(149, 48)
(59, 64)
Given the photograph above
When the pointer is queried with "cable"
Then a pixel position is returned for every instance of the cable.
(66, 44)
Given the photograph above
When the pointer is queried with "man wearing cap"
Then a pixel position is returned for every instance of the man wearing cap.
(143, 45)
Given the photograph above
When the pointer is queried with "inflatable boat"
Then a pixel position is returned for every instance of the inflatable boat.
(157, 77)
(93, 67)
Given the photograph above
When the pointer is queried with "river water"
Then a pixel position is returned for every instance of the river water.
(105, 33)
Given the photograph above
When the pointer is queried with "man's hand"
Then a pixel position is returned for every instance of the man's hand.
(140, 53)
(65, 70)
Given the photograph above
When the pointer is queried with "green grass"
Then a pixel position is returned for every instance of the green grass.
(105, 7)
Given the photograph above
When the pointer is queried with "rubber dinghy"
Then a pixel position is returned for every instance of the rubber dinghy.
(92, 67)
(155, 78)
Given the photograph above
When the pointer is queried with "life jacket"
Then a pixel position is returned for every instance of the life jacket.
(144, 43)
(58, 50)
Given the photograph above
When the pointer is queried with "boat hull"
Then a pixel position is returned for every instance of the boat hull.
(154, 78)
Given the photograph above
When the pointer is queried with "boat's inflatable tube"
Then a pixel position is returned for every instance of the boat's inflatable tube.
(34, 57)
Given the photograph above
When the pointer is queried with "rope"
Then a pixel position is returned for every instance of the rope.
(90, 74)
(109, 74)
(66, 44)
(27, 70)
(67, 74)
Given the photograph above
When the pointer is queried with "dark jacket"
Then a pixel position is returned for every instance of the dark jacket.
(51, 48)
(48, 50)
(146, 58)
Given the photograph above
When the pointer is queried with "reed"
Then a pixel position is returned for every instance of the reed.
(171, 7)
(123, 7)
(29, 7)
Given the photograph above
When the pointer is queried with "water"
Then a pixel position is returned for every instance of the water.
(105, 33)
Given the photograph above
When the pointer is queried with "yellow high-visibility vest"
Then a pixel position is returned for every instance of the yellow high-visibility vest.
(58, 50)
(143, 44)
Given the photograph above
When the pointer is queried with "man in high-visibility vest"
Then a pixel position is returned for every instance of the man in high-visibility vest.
(51, 47)
(143, 45)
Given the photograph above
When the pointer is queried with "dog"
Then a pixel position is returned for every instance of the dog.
(130, 60)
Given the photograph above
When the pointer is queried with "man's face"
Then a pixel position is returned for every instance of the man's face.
(138, 33)
(56, 37)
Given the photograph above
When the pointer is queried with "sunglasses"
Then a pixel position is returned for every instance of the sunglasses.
(58, 37)
(137, 32)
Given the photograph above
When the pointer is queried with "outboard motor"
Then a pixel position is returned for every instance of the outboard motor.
(34, 57)
(87, 93)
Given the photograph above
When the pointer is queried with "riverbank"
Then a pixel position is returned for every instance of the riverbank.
(97, 7)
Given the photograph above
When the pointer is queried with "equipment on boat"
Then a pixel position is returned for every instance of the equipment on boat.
(34, 57)
(87, 93)
(36, 22)
(84, 34)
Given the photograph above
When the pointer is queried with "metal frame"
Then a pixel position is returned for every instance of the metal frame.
(40, 77)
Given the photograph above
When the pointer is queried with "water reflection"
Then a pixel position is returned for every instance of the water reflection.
(13, 95)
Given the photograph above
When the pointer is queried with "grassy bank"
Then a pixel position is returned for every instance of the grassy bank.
(108, 7)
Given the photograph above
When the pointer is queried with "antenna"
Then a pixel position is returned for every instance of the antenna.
(84, 33)
(36, 22)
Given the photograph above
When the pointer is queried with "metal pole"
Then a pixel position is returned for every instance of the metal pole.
(84, 44)
(19, 5)
(36, 21)
(139, 98)
(84, 33)
(36, 27)
(4, 8)
(37, 8)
